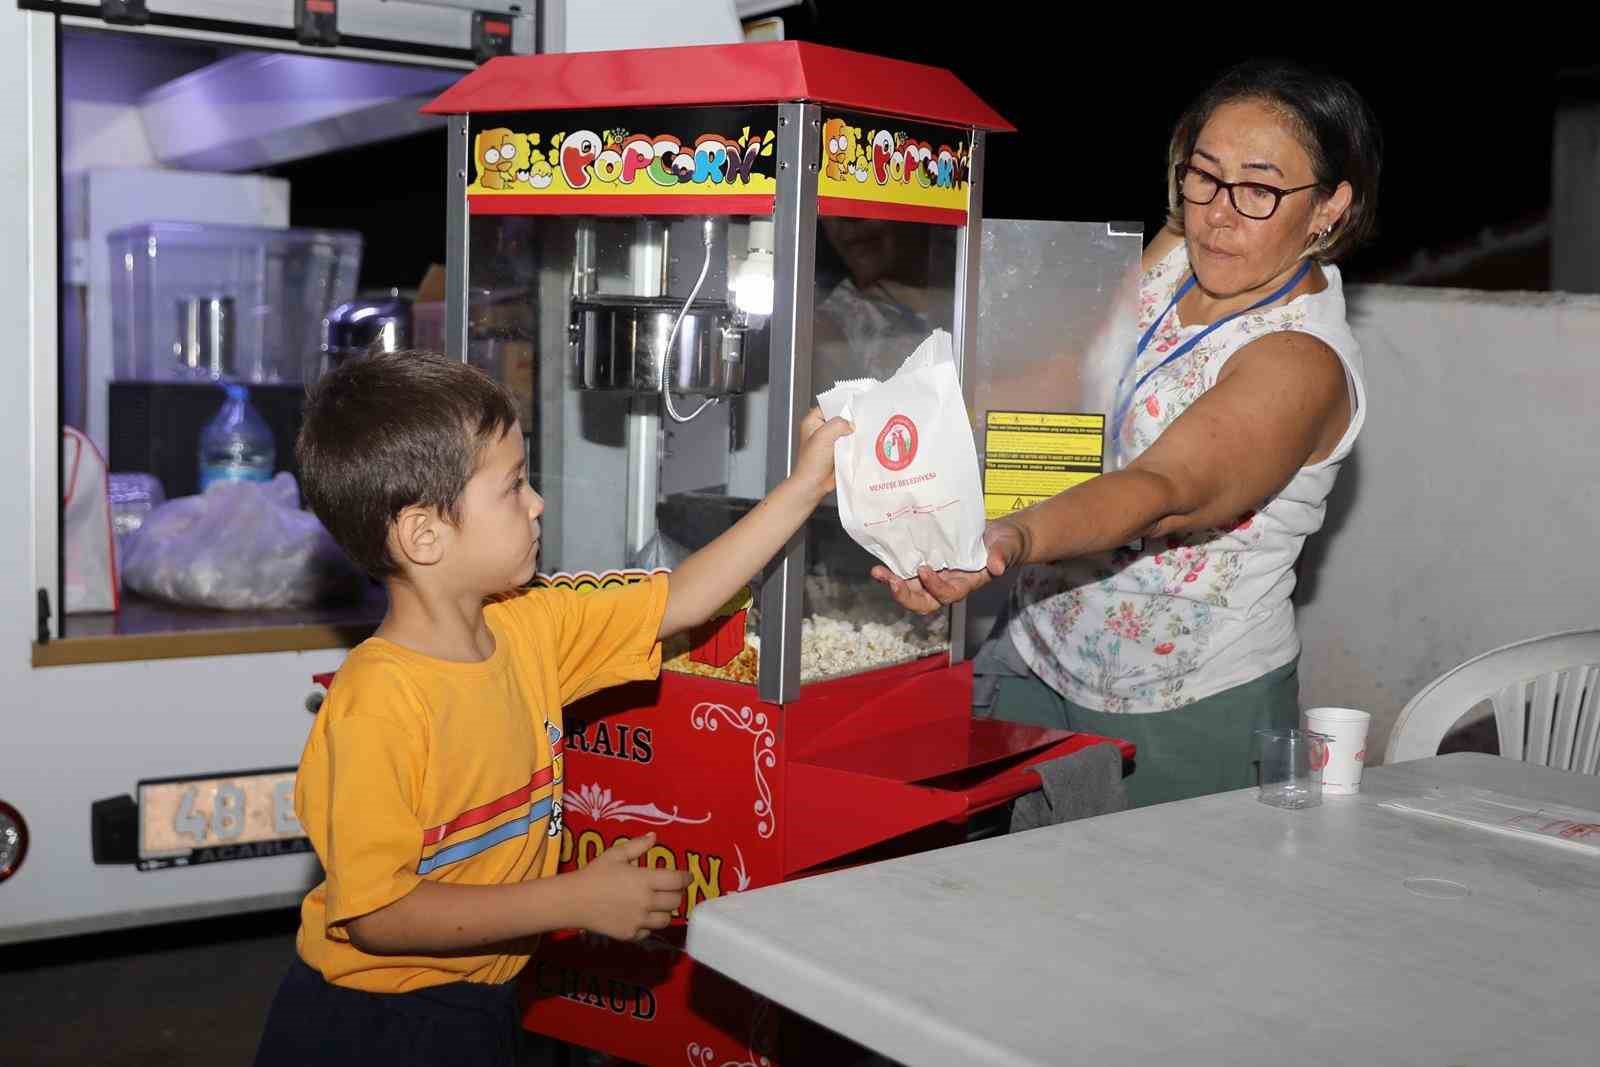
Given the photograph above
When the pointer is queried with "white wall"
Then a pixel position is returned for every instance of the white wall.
(1468, 514)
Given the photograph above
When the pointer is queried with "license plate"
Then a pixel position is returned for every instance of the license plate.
(185, 821)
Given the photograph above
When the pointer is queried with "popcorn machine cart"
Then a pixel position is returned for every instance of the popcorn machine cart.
(667, 253)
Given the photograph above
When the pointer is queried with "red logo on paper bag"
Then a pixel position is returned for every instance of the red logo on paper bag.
(897, 443)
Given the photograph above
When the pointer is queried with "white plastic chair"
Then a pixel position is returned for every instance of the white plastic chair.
(1546, 697)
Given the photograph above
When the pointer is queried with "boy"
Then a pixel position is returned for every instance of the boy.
(431, 783)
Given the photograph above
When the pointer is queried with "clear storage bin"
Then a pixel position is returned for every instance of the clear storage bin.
(242, 303)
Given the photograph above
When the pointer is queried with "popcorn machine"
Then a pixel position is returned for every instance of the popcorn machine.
(684, 246)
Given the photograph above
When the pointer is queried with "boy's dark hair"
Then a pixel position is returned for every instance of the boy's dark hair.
(386, 431)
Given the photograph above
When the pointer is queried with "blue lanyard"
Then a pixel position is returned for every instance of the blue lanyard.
(1183, 349)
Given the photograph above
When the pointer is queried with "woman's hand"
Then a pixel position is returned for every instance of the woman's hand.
(931, 590)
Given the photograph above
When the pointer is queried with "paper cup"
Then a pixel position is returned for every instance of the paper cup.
(1346, 731)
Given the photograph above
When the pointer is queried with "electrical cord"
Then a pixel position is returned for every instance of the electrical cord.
(665, 361)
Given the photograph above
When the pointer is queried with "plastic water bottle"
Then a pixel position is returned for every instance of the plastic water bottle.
(236, 444)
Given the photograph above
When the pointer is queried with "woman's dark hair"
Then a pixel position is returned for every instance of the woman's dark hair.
(1330, 120)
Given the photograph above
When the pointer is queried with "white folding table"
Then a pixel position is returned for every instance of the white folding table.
(1210, 931)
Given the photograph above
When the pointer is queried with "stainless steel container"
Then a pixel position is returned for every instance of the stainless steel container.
(205, 345)
(617, 343)
(360, 326)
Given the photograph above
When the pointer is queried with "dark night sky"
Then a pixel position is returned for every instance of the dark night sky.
(1467, 127)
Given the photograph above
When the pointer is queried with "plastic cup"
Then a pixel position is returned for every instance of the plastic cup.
(1346, 731)
(1290, 768)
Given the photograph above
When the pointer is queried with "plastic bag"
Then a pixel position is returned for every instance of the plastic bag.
(133, 496)
(240, 546)
(908, 485)
(90, 551)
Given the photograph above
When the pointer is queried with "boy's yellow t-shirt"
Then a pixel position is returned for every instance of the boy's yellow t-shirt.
(424, 768)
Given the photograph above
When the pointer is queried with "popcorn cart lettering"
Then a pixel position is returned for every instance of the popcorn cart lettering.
(587, 846)
(611, 994)
(917, 156)
(705, 870)
(710, 160)
(608, 165)
(704, 884)
(578, 154)
(586, 156)
(638, 153)
(903, 164)
(702, 887)
(613, 740)
(882, 152)
(910, 166)
(896, 158)
(666, 149)
(742, 156)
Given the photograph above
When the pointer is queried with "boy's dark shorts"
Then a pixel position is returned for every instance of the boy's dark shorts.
(314, 1022)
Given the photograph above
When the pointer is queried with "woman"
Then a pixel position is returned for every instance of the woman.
(1165, 618)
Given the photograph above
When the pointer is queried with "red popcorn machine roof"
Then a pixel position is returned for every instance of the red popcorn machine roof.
(709, 75)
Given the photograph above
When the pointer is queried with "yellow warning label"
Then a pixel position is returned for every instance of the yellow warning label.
(1083, 446)
(1031, 456)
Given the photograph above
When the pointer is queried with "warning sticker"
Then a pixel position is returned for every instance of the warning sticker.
(1031, 456)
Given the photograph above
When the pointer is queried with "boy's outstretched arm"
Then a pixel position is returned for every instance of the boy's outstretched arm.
(705, 581)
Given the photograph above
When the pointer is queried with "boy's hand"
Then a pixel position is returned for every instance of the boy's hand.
(814, 465)
(704, 582)
(625, 901)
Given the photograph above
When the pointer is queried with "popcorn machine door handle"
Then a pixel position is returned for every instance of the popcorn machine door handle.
(1014, 783)
(1020, 780)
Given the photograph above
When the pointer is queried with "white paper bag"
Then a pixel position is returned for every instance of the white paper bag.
(909, 490)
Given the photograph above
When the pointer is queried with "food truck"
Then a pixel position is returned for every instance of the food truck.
(665, 253)
(153, 149)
